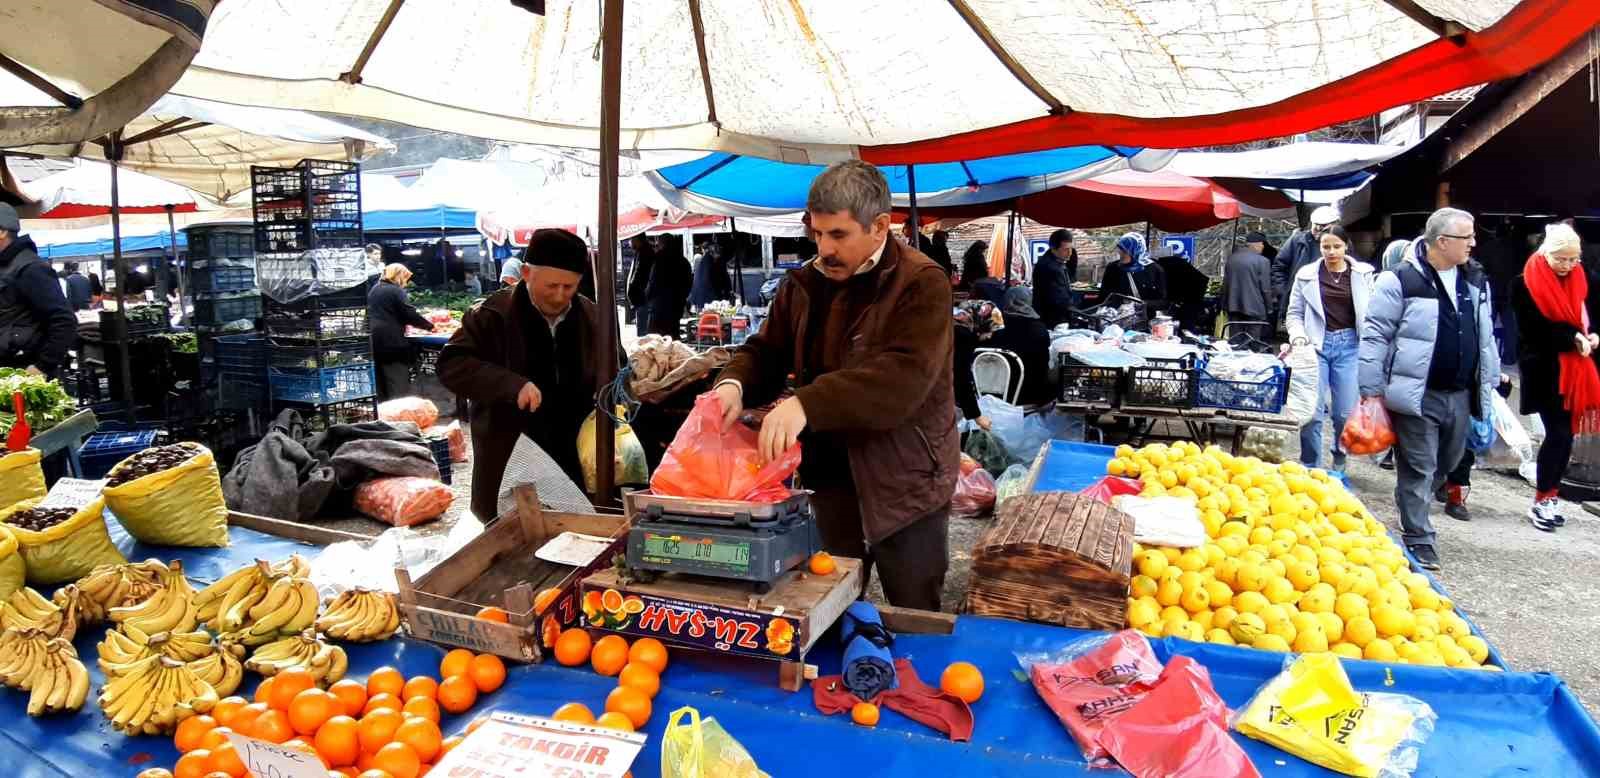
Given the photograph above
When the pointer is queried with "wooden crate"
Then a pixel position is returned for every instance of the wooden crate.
(1056, 558)
(498, 568)
(729, 617)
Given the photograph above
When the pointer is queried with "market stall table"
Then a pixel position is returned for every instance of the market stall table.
(1499, 723)
(1203, 424)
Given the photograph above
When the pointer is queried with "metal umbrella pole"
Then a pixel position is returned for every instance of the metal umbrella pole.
(916, 227)
(119, 266)
(183, 288)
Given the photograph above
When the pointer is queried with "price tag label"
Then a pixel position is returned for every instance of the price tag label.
(509, 746)
(269, 760)
(72, 493)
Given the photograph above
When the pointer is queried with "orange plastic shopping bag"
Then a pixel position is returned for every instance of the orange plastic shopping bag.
(1368, 431)
(708, 462)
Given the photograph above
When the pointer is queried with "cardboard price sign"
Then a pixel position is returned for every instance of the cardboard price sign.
(509, 745)
(72, 493)
(269, 760)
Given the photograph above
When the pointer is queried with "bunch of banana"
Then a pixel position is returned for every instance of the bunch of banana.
(232, 602)
(154, 694)
(221, 669)
(360, 616)
(60, 682)
(27, 609)
(22, 651)
(171, 609)
(325, 661)
(112, 586)
(129, 644)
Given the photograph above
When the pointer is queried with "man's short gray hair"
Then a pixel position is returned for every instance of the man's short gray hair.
(851, 185)
(1440, 223)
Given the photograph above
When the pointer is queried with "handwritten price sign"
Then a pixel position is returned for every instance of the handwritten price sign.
(509, 745)
(269, 760)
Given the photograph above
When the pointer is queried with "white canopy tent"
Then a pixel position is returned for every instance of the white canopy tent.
(88, 184)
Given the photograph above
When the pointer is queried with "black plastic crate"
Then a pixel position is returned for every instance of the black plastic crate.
(217, 242)
(316, 327)
(138, 324)
(217, 311)
(331, 175)
(220, 277)
(293, 237)
(240, 353)
(331, 353)
(1160, 384)
(1266, 396)
(440, 447)
(1088, 385)
(241, 391)
(318, 417)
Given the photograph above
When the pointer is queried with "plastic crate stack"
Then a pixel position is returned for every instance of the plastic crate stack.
(318, 350)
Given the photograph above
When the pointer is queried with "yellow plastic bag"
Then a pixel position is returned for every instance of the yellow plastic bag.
(179, 506)
(631, 467)
(13, 571)
(703, 749)
(1381, 734)
(67, 551)
(21, 477)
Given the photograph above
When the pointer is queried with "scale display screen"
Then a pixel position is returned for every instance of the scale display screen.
(698, 549)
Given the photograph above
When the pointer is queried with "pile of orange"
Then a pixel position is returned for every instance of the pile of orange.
(637, 667)
(385, 728)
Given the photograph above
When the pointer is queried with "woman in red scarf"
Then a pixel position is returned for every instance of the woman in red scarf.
(1555, 318)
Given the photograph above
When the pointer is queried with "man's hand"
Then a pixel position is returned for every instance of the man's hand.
(530, 398)
(984, 423)
(34, 370)
(781, 429)
(732, 399)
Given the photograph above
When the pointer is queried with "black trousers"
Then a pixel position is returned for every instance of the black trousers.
(394, 378)
(1556, 451)
(911, 563)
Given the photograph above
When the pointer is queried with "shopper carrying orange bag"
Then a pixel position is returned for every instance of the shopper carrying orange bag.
(707, 461)
(1368, 431)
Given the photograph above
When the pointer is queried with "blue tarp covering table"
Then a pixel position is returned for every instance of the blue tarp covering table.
(1490, 723)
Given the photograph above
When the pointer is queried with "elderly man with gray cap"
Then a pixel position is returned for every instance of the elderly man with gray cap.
(36, 324)
(1301, 250)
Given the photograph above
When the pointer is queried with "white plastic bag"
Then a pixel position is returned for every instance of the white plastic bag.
(1010, 484)
(1304, 380)
(1512, 448)
(1163, 521)
(371, 564)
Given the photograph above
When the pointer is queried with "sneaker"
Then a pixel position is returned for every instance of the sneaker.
(1543, 515)
(1455, 504)
(1426, 557)
(1457, 511)
(1388, 461)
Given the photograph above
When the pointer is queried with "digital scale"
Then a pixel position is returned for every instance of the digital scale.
(729, 539)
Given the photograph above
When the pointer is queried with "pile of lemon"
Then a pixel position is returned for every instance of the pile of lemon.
(1294, 562)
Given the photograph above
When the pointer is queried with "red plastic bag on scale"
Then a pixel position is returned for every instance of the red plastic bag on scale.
(1368, 431)
(707, 462)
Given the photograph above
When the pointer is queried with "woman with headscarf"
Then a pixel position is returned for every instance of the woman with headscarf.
(1025, 335)
(1556, 312)
(975, 279)
(389, 311)
(1118, 277)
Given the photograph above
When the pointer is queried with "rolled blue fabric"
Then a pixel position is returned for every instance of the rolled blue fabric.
(868, 665)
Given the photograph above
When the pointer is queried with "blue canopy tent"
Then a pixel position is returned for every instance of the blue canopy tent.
(160, 241)
(434, 219)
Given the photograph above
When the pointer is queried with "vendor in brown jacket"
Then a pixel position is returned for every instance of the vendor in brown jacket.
(865, 330)
(525, 358)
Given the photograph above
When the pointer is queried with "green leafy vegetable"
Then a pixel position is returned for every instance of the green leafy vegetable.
(48, 405)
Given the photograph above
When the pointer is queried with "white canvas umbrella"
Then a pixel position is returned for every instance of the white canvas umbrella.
(76, 69)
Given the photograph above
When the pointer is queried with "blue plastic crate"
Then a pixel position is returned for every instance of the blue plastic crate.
(320, 387)
(217, 311)
(1266, 396)
(217, 278)
(103, 450)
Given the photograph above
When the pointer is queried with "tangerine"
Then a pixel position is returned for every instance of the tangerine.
(422, 707)
(352, 696)
(225, 708)
(304, 746)
(494, 614)
(385, 680)
(865, 714)
(630, 702)
(398, 760)
(609, 655)
(376, 729)
(382, 700)
(545, 599)
(964, 680)
(338, 740)
(822, 563)
(244, 720)
(286, 684)
(192, 732)
(575, 712)
(650, 653)
(640, 677)
(224, 759)
(457, 694)
(193, 764)
(422, 735)
(216, 737)
(487, 672)
(420, 685)
(310, 708)
(455, 663)
(272, 726)
(614, 720)
(572, 648)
